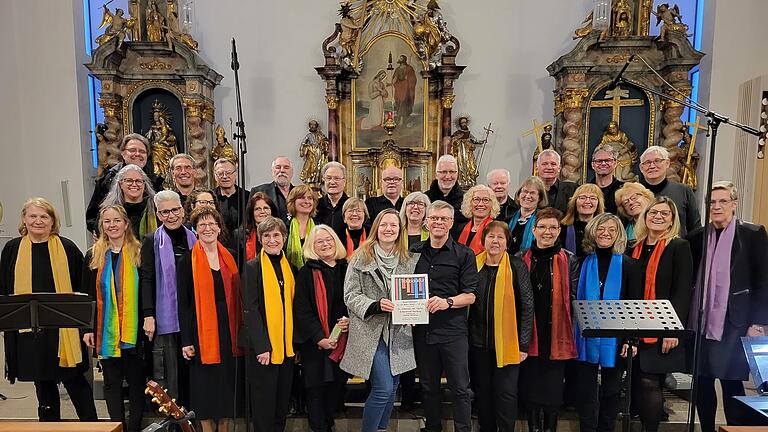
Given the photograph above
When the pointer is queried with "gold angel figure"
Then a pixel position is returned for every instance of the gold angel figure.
(117, 26)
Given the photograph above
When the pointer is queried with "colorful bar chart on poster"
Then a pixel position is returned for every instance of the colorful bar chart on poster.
(410, 293)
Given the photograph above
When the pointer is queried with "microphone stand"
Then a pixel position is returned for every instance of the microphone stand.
(242, 150)
(714, 120)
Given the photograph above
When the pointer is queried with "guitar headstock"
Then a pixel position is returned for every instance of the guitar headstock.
(166, 403)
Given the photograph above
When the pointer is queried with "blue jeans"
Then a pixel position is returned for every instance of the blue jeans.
(381, 399)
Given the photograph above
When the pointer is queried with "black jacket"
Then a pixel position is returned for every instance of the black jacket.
(277, 197)
(330, 215)
(455, 197)
(559, 194)
(507, 210)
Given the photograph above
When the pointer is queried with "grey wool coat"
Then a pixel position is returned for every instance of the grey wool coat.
(363, 287)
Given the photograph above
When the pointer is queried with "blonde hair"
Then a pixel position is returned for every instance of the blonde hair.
(354, 202)
(131, 245)
(309, 243)
(365, 250)
(570, 214)
(641, 229)
(627, 189)
(589, 244)
(47, 207)
(466, 202)
(298, 192)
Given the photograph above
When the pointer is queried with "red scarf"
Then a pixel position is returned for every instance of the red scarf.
(351, 245)
(205, 302)
(477, 241)
(251, 246)
(562, 346)
(649, 293)
(321, 301)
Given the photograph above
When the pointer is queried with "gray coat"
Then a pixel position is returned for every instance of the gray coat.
(363, 287)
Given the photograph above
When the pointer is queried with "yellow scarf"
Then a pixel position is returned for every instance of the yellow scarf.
(69, 338)
(504, 313)
(279, 321)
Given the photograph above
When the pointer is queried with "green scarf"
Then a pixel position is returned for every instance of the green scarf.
(293, 250)
(148, 223)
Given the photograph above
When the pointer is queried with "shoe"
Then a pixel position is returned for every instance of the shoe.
(535, 420)
(550, 422)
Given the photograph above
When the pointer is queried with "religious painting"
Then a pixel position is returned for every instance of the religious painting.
(416, 178)
(390, 86)
(623, 118)
(363, 179)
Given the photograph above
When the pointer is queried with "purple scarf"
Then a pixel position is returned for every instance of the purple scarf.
(570, 238)
(166, 305)
(717, 283)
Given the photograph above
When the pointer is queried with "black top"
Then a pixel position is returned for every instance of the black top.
(452, 271)
(454, 197)
(507, 210)
(560, 193)
(609, 193)
(147, 275)
(277, 197)
(380, 203)
(135, 211)
(229, 206)
(355, 235)
(413, 239)
(685, 200)
(328, 214)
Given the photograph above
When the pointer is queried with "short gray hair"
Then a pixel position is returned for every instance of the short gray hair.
(663, 152)
(439, 205)
(728, 187)
(137, 137)
(269, 224)
(166, 195)
(496, 171)
(446, 158)
(284, 157)
(606, 148)
(181, 156)
(334, 164)
(354, 202)
(224, 160)
(549, 152)
(413, 196)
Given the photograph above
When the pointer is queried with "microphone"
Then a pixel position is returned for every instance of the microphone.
(235, 64)
(617, 78)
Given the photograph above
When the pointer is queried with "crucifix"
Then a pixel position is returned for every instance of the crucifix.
(536, 131)
(613, 100)
(689, 170)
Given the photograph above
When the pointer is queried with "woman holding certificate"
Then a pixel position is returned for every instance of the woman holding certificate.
(321, 323)
(378, 350)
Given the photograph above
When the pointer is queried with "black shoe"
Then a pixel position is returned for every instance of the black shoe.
(550, 422)
(535, 420)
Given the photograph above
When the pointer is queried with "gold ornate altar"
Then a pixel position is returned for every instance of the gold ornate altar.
(389, 73)
(154, 83)
(587, 112)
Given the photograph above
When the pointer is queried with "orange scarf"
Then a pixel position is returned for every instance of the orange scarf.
(351, 245)
(649, 293)
(477, 241)
(205, 302)
(251, 246)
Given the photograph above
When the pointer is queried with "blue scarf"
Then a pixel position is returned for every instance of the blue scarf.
(630, 231)
(598, 350)
(527, 233)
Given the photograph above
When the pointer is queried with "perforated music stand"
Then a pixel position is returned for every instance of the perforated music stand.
(629, 320)
(46, 311)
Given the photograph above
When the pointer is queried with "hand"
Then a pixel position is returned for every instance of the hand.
(523, 356)
(149, 327)
(755, 330)
(89, 340)
(386, 305)
(625, 348)
(326, 343)
(188, 352)
(263, 358)
(435, 304)
(343, 324)
(667, 344)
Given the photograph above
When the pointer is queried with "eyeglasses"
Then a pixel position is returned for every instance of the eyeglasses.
(418, 204)
(603, 230)
(334, 179)
(587, 198)
(225, 173)
(329, 240)
(443, 219)
(553, 228)
(205, 225)
(720, 203)
(632, 198)
(478, 200)
(355, 211)
(136, 150)
(391, 179)
(602, 161)
(265, 209)
(183, 168)
(656, 162)
(131, 182)
(664, 213)
(205, 202)
(444, 172)
(165, 213)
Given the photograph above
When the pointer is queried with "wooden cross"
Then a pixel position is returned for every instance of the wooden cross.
(613, 100)
(536, 131)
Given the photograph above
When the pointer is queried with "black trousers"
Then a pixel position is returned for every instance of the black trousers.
(596, 413)
(80, 393)
(131, 368)
(322, 402)
(451, 357)
(270, 392)
(736, 414)
(495, 391)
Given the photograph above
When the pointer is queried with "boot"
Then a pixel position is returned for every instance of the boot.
(535, 420)
(47, 414)
(550, 421)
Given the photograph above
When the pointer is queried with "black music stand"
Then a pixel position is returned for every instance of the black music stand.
(629, 320)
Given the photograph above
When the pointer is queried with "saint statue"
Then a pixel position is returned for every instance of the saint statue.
(314, 150)
(619, 140)
(161, 139)
(621, 19)
(173, 30)
(155, 23)
(222, 149)
(688, 170)
(429, 31)
(350, 28)
(546, 143)
(463, 145)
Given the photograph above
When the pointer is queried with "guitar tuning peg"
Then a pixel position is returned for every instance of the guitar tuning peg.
(163, 410)
(147, 391)
(173, 400)
(155, 400)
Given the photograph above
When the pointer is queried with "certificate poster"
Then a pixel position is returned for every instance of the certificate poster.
(410, 293)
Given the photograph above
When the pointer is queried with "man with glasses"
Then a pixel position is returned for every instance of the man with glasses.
(228, 193)
(498, 180)
(278, 189)
(329, 207)
(445, 186)
(654, 164)
(392, 188)
(558, 192)
(160, 255)
(604, 160)
(133, 150)
(443, 344)
(182, 168)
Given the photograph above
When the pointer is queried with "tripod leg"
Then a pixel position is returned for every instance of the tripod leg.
(626, 416)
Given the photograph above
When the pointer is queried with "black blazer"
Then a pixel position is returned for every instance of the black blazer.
(674, 281)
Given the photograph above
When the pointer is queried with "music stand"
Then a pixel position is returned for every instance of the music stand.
(46, 311)
(629, 320)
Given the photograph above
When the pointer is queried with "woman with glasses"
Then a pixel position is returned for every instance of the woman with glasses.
(587, 202)
(210, 315)
(530, 196)
(667, 268)
(413, 214)
(200, 197)
(260, 206)
(302, 206)
(480, 207)
(353, 232)
(631, 200)
(132, 190)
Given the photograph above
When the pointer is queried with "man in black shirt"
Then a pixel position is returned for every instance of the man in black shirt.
(558, 192)
(329, 207)
(498, 180)
(278, 189)
(445, 186)
(183, 175)
(442, 345)
(604, 160)
(228, 193)
(392, 186)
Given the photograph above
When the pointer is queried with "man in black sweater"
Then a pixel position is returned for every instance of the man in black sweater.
(558, 192)
(330, 204)
(446, 188)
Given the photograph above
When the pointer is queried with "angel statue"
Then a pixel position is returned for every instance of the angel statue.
(118, 27)
(672, 19)
(430, 30)
(350, 28)
(314, 150)
(174, 31)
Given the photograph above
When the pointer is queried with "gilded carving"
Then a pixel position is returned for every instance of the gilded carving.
(332, 102)
(574, 97)
(448, 100)
(194, 107)
(156, 64)
(620, 58)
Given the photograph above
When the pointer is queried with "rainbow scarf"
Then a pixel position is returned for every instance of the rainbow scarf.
(117, 306)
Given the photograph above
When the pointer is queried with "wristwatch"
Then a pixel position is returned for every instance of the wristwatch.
(450, 302)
